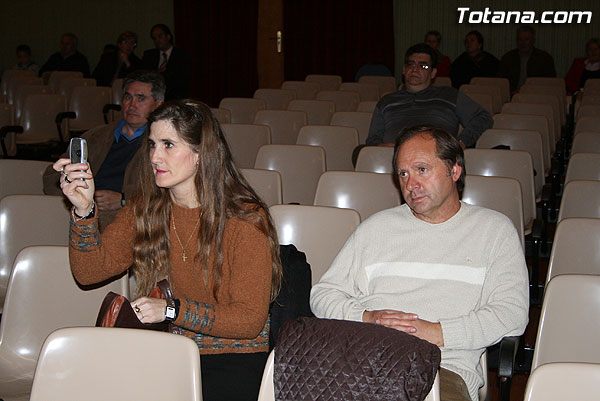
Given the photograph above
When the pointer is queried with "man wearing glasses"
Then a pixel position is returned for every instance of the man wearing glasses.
(419, 103)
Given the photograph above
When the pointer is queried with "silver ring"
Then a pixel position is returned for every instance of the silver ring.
(67, 179)
(136, 309)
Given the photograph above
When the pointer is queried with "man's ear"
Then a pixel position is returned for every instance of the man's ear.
(456, 172)
(433, 73)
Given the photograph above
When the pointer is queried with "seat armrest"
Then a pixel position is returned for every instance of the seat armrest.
(537, 229)
(508, 354)
(108, 107)
(17, 129)
(65, 114)
(59, 119)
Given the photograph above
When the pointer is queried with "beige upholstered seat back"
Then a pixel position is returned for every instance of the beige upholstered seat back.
(338, 142)
(367, 193)
(375, 159)
(284, 124)
(242, 109)
(244, 140)
(300, 167)
(318, 231)
(569, 321)
(42, 297)
(318, 112)
(117, 364)
(266, 184)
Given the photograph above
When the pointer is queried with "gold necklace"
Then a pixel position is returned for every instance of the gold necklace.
(183, 255)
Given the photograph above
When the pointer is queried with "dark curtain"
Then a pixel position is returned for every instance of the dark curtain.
(336, 36)
(220, 37)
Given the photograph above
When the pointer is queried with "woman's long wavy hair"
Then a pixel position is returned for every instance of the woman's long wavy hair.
(222, 192)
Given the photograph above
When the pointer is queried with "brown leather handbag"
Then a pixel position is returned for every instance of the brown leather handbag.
(116, 311)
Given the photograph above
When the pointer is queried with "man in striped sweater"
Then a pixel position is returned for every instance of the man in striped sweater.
(418, 103)
(437, 268)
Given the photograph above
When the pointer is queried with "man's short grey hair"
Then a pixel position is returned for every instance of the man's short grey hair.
(153, 78)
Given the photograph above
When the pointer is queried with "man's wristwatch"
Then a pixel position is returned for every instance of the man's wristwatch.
(172, 309)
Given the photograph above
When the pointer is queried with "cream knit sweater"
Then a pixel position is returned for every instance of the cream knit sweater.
(467, 273)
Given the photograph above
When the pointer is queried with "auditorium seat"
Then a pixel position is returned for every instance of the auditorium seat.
(367, 193)
(497, 193)
(326, 82)
(56, 76)
(484, 100)
(366, 92)
(43, 296)
(338, 142)
(300, 167)
(528, 141)
(242, 109)
(343, 100)
(386, 84)
(223, 116)
(355, 119)
(502, 83)
(244, 140)
(318, 231)
(537, 110)
(583, 166)
(492, 90)
(587, 124)
(266, 184)
(88, 103)
(284, 124)
(29, 220)
(21, 94)
(569, 321)
(528, 123)
(575, 247)
(275, 99)
(376, 159)
(586, 142)
(366, 107)
(318, 112)
(580, 198)
(66, 85)
(304, 90)
(113, 363)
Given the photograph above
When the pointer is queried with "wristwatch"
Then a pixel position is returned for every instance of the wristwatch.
(172, 309)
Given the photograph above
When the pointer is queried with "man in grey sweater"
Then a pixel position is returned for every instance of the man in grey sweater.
(419, 103)
(437, 268)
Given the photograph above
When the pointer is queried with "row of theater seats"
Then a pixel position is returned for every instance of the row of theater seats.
(35, 112)
(286, 231)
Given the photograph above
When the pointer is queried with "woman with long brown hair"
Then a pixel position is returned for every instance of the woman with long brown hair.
(195, 221)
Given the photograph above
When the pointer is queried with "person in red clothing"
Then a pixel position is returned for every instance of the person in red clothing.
(196, 221)
(433, 40)
(584, 68)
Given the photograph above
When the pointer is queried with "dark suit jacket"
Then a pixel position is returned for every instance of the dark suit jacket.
(540, 64)
(177, 74)
(107, 67)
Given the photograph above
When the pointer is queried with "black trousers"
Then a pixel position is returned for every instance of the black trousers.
(232, 377)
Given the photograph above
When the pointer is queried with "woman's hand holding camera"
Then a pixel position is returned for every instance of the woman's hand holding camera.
(76, 182)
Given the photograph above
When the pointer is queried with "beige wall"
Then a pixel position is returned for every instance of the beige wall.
(39, 23)
(562, 41)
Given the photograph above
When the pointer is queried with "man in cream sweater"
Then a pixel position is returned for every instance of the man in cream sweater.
(445, 271)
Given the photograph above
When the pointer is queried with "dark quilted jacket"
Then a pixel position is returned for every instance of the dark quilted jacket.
(323, 359)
